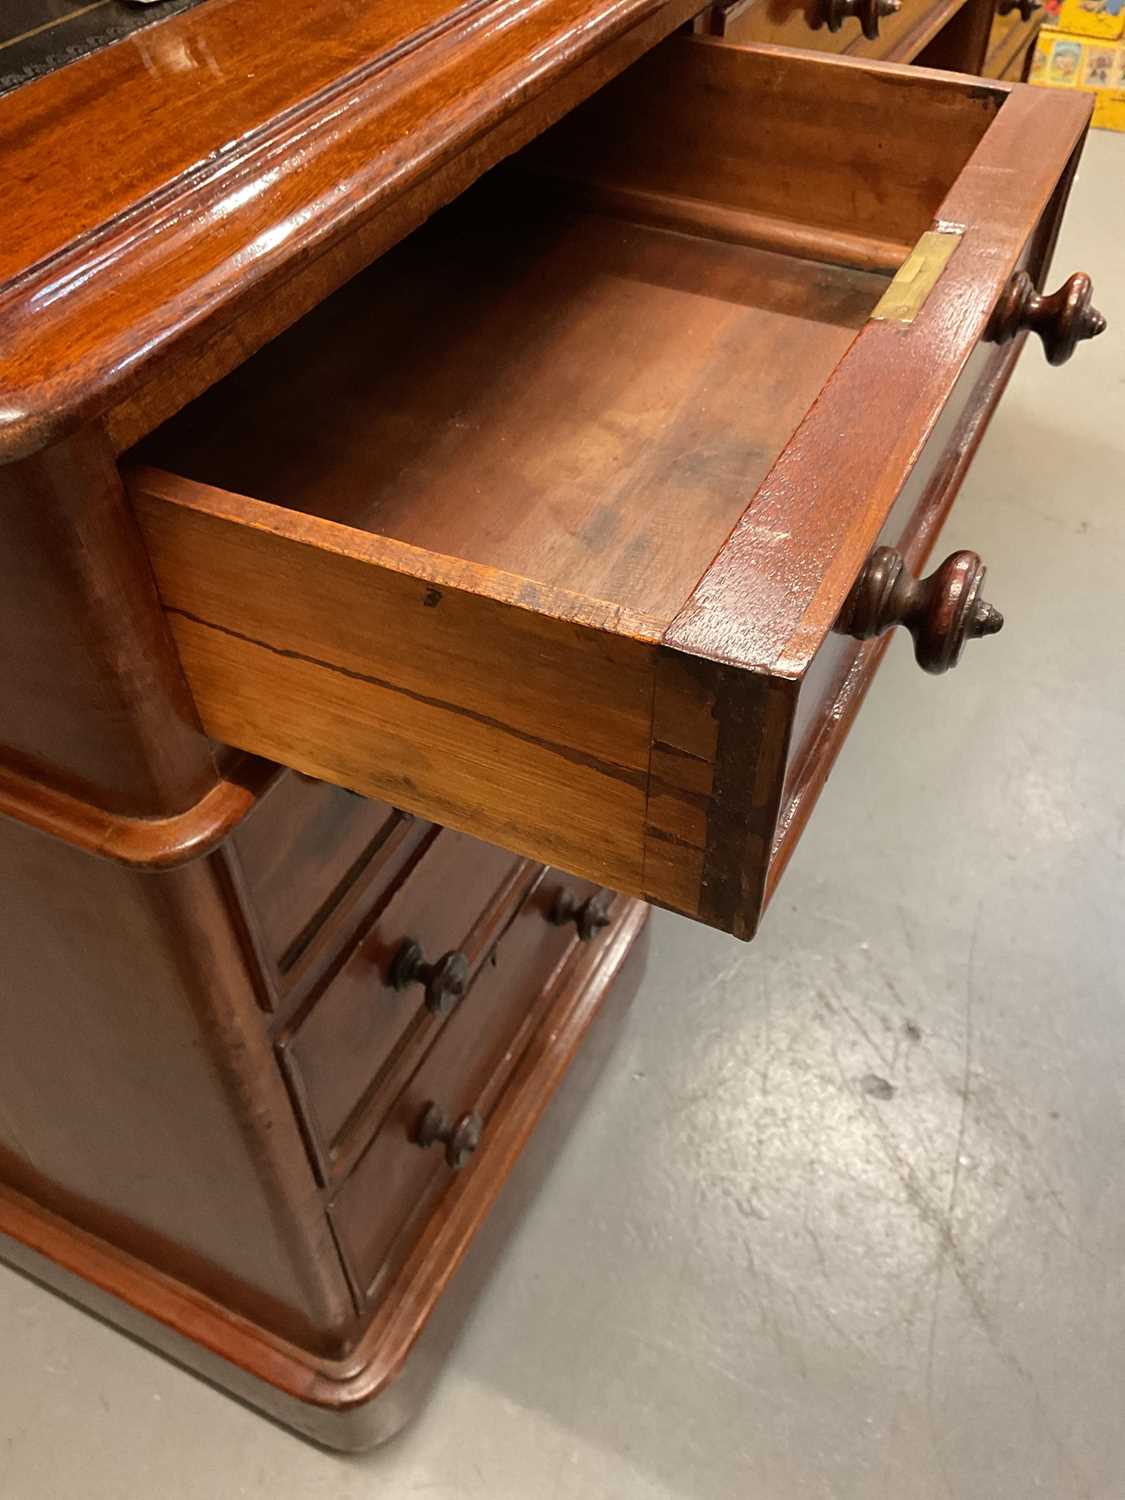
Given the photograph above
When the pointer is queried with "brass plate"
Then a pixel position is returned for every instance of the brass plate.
(916, 278)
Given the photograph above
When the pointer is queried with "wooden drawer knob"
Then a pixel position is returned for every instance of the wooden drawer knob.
(1061, 320)
(460, 1139)
(868, 12)
(941, 612)
(446, 980)
(588, 916)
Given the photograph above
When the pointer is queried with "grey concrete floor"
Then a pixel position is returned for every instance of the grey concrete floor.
(844, 1215)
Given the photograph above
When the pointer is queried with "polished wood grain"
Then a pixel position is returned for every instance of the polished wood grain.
(341, 1043)
(844, 674)
(602, 391)
(837, 679)
(755, 132)
(94, 705)
(503, 590)
(437, 683)
(999, 211)
(365, 1396)
(779, 634)
(942, 612)
(277, 149)
(156, 843)
(140, 1096)
(463, 1073)
(900, 34)
(583, 682)
(1011, 41)
(1062, 319)
(961, 43)
(300, 850)
(319, 949)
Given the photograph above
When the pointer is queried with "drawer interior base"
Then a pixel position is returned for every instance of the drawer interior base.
(571, 397)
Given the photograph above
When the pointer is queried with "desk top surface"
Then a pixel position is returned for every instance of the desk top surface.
(38, 36)
(180, 170)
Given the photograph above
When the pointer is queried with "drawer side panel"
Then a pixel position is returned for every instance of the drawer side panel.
(524, 720)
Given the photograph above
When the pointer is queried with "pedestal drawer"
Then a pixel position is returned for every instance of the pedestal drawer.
(455, 1087)
(562, 513)
(393, 990)
(303, 847)
(855, 28)
(1011, 40)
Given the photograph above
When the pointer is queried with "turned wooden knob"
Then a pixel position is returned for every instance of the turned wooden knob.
(941, 612)
(446, 980)
(868, 12)
(1061, 320)
(588, 916)
(1026, 8)
(460, 1139)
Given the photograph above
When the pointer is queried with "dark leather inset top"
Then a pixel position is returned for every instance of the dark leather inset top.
(37, 36)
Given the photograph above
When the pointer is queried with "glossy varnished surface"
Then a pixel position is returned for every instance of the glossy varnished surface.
(378, 1212)
(235, 78)
(456, 897)
(96, 711)
(537, 1018)
(573, 654)
(141, 1101)
(257, 138)
(38, 36)
(303, 848)
(750, 148)
(141, 1096)
(800, 23)
(749, 1274)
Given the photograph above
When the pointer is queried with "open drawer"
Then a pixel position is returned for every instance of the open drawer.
(541, 527)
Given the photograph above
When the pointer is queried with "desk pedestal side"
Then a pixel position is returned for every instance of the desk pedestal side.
(155, 1168)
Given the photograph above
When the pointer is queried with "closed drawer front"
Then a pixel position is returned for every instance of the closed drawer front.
(866, 29)
(304, 846)
(388, 1193)
(566, 574)
(370, 1019)
(1011, 40)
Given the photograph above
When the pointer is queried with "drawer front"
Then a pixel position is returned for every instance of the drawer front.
(359, 1026)
(807, 24)
(1010, 44)
(481, 602)
(394, 1182)
(838, 676)
(299, 852)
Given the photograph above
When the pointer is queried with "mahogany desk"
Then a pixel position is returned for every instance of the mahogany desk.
(523, 420)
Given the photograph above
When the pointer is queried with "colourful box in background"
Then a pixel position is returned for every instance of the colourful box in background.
(1099, 66)
(1064, 61)
(1109, 110)
(1104, 19)
(1057, 62)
